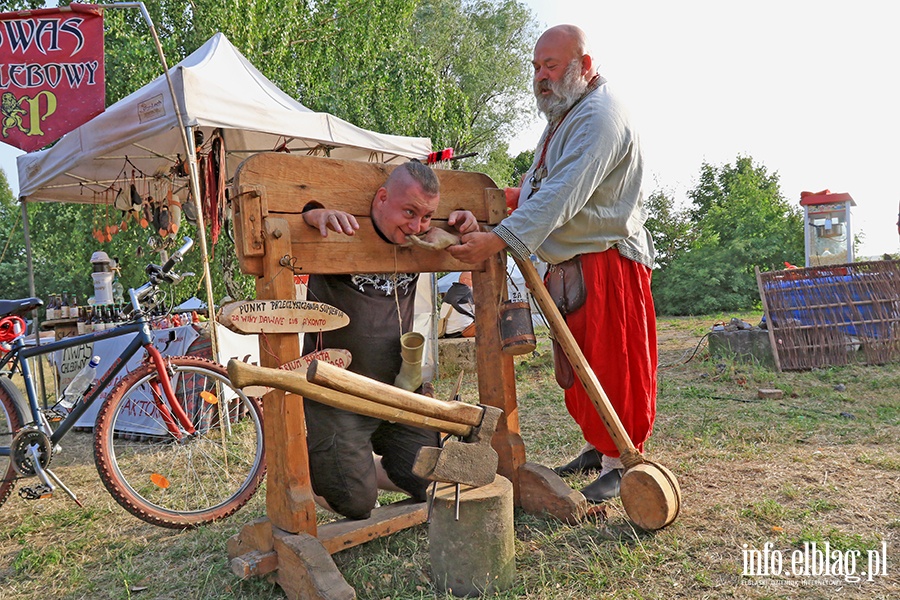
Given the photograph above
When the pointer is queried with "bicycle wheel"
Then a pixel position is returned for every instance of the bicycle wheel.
(175, 479)
(10, 423)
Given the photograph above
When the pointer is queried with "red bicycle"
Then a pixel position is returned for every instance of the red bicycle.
(174, 442)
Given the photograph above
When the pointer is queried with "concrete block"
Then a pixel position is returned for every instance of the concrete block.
(747, 345)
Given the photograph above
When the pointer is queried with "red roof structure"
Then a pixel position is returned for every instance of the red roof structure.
(824, 197)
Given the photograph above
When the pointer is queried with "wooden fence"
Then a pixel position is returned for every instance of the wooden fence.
(833, 315)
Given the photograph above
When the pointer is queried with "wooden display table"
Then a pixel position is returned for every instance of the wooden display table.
(62, 328)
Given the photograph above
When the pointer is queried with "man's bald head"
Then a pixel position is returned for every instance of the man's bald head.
(563, 67)
(570, 39)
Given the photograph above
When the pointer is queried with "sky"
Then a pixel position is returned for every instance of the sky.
(807, 89)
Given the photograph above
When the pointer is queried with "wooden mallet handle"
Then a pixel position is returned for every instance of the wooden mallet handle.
(327, 375)
(243, 375)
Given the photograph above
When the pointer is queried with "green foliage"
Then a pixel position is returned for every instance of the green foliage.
(671, 228)
(739, 221)
(14, 5)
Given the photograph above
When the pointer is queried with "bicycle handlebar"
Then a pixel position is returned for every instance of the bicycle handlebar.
(158, 274)
(179, 255)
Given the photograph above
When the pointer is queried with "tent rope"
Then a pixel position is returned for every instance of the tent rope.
(9, 239)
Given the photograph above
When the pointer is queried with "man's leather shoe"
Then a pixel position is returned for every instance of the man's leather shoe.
(590, 460)
(603, 488)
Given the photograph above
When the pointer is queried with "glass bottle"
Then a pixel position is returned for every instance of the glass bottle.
(50, 310)
(64, 306)
(118, 290)
(80, 325)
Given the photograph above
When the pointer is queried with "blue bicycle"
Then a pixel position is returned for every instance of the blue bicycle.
(174, 442)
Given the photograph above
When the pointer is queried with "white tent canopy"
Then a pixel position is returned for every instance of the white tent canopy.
(216, 87)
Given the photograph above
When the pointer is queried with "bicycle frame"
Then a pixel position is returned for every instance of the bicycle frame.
(143, 339)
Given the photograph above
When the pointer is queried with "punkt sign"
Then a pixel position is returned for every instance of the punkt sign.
(51, 73)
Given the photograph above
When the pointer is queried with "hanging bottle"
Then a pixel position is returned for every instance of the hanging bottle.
(118, 290)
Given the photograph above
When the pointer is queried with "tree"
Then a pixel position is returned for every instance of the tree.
(451, 70)
(16, 5)
(741, 221)
(670, 227)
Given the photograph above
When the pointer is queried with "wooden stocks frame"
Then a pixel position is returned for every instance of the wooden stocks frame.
(273, 243)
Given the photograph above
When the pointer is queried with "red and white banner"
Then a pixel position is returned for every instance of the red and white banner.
(51, 73)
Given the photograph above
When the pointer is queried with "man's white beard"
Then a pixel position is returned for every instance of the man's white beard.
(564, 93)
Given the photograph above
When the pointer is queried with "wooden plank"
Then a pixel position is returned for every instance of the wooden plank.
(249, 207)
(254, 564)
(364, 252)
(292, 181)
(306, 570)
(281, 316)
(347, 533)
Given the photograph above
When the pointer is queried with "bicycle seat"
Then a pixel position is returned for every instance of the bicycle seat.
(15, 307)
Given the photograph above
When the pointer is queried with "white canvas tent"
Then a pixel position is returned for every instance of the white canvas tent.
(216, 87)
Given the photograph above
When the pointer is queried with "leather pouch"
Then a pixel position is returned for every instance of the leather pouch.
(562, 368)
(565, 284)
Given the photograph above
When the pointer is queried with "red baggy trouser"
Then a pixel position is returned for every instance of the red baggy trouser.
(616, 331)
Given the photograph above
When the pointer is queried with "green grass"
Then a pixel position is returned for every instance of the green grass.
(816, 465)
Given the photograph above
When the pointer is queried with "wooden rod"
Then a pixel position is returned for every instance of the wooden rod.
(336, 378)
(243, 375)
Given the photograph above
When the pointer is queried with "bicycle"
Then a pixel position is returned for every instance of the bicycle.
(174, 442)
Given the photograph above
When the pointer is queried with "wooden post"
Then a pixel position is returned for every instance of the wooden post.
(496, 376)
(289, 498)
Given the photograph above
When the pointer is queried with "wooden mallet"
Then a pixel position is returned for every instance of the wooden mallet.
(649, 491)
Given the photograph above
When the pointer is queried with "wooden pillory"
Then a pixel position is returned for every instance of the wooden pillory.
(273, 243)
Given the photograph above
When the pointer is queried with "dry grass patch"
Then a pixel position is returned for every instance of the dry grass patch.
(819, 465)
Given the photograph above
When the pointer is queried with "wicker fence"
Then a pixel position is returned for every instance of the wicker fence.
(833, 315)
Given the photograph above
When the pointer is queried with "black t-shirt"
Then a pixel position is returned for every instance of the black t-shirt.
(373, 334)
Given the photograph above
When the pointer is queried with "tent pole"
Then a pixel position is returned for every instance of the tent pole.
(187, 140)
(32, 292)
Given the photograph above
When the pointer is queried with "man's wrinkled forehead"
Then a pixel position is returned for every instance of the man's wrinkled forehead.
(559, 45)
(411, 195)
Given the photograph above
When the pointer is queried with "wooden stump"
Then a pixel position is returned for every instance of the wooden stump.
(476, 554)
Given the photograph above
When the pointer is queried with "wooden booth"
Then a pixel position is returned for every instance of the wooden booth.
(273, 243)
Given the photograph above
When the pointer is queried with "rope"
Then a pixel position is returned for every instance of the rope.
(9, 239)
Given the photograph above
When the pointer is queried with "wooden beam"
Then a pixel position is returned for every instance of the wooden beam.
(385, 520)
(496, 377)
(289, 497)
(292, 181)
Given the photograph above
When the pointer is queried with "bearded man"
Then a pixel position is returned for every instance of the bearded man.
(582, 199)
